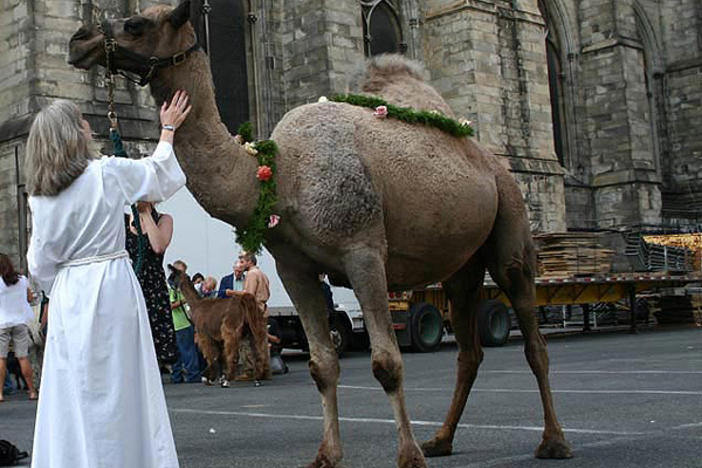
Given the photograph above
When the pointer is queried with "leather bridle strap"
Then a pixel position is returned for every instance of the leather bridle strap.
(148, 64)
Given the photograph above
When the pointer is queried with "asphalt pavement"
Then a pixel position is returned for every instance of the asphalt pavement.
(623, 400)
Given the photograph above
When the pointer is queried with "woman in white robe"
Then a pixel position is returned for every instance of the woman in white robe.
(101, 402)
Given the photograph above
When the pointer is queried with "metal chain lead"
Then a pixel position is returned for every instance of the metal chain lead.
(109, 45)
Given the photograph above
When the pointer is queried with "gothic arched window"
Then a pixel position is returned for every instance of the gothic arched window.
(382, 30)
(556, 76)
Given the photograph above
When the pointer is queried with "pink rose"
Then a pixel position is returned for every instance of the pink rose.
(273, 221)
(381, 112)
(264, 173)
(239, 139)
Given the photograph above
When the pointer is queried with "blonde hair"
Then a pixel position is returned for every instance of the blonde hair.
(58, 150)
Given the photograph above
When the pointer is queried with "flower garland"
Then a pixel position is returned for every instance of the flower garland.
(461, 128)
(252, 237)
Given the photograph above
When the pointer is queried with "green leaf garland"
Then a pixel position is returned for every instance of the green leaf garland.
(407, 114)
(245, 131)
(252, 237)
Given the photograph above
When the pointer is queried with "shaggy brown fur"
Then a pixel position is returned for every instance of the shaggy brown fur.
(221, 324)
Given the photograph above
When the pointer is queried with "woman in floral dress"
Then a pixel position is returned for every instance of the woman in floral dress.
(158, 229)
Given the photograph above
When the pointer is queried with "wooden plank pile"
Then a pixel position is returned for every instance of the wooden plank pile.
(675, 309)
(567, 254)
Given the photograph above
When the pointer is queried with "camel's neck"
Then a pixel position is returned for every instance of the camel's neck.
(221, 175)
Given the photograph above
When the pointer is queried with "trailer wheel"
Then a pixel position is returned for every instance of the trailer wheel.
(427, 327)
(493, 323)
(341, 333)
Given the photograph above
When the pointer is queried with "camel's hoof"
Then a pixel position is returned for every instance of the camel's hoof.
(322, 461)
(437, 448)
(410, 456)
(554, 448)
(414, 462)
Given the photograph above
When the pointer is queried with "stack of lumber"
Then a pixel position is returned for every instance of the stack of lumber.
(566, 254)
(690, 241)
(697, 308)
(674, 309)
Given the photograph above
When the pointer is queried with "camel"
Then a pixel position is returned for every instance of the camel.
(220, 325)
(377, 205)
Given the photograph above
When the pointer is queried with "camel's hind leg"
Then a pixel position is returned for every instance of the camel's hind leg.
(366, 272)
(302, 284)
(463, 290)
(511, 260)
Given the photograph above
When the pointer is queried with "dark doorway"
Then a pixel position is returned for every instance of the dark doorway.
(228, 61)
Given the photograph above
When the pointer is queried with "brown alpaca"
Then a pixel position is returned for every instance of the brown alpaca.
(221, 324)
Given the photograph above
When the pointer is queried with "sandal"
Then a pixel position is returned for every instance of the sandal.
(34, 396)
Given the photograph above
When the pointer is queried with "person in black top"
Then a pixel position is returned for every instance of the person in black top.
(158, 228)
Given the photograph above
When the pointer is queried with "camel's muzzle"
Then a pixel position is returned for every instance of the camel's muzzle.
(84, 48)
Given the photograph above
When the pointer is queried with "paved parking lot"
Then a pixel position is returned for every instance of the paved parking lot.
(624, 401)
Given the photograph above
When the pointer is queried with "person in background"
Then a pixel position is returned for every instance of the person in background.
(232, 282)
(187, 367)
(275, 346)
(158, 229)
(207, 288)
(15, 314)
(256, 282)
(102, 401)
(197, 279)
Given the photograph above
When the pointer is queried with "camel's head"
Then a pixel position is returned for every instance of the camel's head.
(160, 31)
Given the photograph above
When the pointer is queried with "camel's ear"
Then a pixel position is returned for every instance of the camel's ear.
(180, 15)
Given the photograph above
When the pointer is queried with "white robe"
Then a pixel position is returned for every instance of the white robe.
(101, 402)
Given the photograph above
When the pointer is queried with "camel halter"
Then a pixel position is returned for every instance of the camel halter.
(148, 64)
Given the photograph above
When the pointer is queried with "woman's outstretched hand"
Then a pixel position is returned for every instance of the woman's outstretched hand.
(175, 112)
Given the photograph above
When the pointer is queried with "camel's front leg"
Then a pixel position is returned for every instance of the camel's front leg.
(366, 272)
(306, 293)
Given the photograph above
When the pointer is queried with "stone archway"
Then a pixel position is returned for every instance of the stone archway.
(653, 72)
(562, 56)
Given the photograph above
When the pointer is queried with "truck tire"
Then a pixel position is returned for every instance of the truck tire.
(426, 327)
(341, 333)
(493, 323)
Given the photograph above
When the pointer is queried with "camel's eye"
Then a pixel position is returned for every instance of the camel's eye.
(136, 25)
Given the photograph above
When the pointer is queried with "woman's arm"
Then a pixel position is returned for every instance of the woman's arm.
(42, 258)
(160, 234)
(159, 176)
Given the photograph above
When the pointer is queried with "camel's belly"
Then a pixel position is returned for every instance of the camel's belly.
(433, 229)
